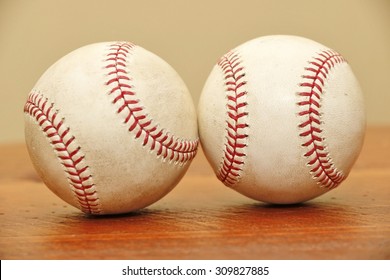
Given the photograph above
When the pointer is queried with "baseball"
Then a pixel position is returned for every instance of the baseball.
(281, 119)
(110, 128)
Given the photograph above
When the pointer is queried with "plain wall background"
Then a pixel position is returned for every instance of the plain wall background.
(190, 35)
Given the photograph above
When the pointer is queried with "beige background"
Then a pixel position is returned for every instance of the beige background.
(190, 35)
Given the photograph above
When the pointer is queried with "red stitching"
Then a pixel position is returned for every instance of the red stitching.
(79, 177)
(166, 145)
(234, 151)
(322, 168)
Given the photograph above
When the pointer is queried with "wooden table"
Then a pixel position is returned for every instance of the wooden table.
(202, 219)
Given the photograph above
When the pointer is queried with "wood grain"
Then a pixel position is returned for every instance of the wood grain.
(201, 218)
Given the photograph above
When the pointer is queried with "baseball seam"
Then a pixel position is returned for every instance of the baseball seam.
(236, 126)
(124, 96)
(314, 79)
(68, 153)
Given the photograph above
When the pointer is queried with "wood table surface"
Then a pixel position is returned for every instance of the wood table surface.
(201, 218)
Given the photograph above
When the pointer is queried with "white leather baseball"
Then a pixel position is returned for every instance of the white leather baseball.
(110, 128)
(281, 119)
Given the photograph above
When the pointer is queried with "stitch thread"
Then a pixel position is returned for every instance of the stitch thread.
(322, 167)
(79, 176)
(236, 137)
(166, 145)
